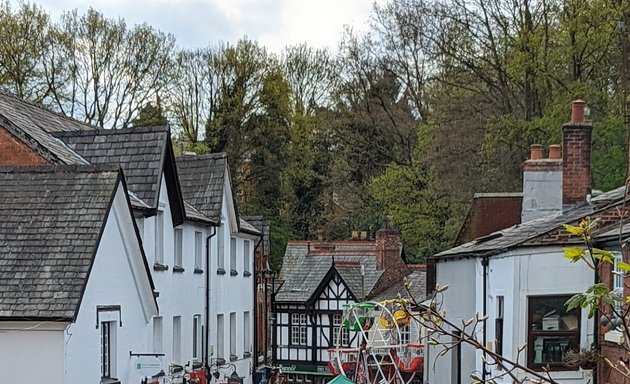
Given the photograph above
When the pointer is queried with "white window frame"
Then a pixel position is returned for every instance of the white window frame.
(177, 339)
(233, 351)
(158, 334)
(108, 348)
(159, 237)
(246, 259)
(246, 332)
(221, 247)
(198, 250)
(178, 244)
(345, 334)
(196, 338)
(233, 243)
(299, 329)
(220, 336)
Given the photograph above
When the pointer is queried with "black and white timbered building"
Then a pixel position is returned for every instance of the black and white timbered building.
(318, 279)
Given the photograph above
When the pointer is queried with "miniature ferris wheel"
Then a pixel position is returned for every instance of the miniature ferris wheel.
(378, 343)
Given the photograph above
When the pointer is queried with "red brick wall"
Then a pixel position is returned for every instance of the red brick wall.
(389, 259)
(14, 152)
(490, 214)
(576, 163)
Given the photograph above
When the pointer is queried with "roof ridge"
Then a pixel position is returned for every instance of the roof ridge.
(7, 93)
(113, 131)
(215, 155)
(67, 168)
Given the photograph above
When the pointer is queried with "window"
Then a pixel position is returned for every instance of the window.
(298, 329)
(198, 250)
(246, 331)
(196, 337)
(246, 268)
(177, 339)
(177, 252)
(552, 331)
(232, 336)
(221, 247)
(335, 330)
(220, 337)
(405, 334)
(498, 327)
(158, 332)
(108, 349)
(159, 238)
(233, 254)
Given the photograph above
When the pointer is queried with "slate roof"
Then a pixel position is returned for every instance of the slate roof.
(303, 275)
(417, 290)
(139, 151)
(503, 240)
(33, 125)
(51, 220)
(193, 214)
(246, 227)
(202, 178)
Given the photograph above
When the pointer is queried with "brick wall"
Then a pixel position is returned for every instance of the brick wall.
(389, 259)
(576, 163)
(14, 152)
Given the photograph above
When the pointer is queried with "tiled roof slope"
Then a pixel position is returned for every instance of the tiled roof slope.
(202, 178)
(33, 124)
(503, 240)
(139, 151)
(303, 269)
(50, 225)
(417, 290)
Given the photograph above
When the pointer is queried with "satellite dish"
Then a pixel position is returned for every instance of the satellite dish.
(148, 365)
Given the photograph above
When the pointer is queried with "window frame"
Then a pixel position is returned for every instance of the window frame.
(159, 237)
(106, 349)
(158, 334)
(574, 335)
(246, 332)
(233, 246)
(345, 334)
(196, 338)
(198, 251)
(246, 258)
(220, 335)
(233, 336)
(177, 339)
(178, 251)
(299, 329)
(221, 249)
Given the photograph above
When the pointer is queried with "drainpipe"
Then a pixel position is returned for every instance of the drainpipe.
(255, 274)
(596, 325)
(485, 263)
(207, 305)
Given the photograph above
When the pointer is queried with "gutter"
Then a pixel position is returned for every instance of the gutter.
(207, 306)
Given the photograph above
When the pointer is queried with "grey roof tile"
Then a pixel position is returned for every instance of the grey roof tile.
(508, 238)
(202, 178)
(50, 223)
(141, 158)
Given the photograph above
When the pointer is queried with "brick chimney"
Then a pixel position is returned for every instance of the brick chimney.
(576, 158)
(542, 184)
(388, 247)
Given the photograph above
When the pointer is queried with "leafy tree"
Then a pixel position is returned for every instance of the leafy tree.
(150, 116)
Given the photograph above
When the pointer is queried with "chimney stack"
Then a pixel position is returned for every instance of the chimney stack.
(542, 184)
(388, 247)
(576, 158)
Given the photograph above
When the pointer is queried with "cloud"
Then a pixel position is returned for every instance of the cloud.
(199, 23)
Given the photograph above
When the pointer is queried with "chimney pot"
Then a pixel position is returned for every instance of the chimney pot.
(577, 112)
(554, 152)
(536, 152)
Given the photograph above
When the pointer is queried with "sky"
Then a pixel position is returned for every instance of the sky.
(199, 23)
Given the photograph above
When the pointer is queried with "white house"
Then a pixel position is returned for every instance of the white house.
(206, 185)
(518, 276)
(76, 295)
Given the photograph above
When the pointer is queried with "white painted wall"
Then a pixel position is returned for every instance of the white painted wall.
(31, 352)
(111, 282)
(232, 294)
(180, 293)
(515, 275)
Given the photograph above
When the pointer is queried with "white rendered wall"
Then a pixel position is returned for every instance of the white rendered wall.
(515, 276)
(25, 345)
(232, 294)
(180, 293)
(111, 282)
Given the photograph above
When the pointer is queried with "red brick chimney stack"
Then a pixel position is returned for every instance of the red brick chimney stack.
(576, 158)
(388, 247)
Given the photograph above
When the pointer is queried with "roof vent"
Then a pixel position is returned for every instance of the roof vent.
(189, 153)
